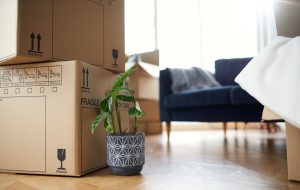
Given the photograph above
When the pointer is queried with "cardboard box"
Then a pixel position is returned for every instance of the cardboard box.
(293, 154)
(150, 123)
(150, 128)
(292, 144)
(151, 108)
(145, 81)
(46, 114)
(87, 30)
(151, 57)
(268, 115)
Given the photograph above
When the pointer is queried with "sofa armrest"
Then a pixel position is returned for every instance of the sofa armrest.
(165, 82)
(227, 69)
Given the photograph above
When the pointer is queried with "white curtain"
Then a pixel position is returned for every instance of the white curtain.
(178, 25)
(228, 30)
(197, 32)
(266, 25)
(140, 26)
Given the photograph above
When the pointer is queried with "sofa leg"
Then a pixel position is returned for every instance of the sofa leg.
(245, 126)
(235, 125)
(224, 127)
(168, 129)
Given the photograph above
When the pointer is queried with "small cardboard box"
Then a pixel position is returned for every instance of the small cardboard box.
(46, 114)
(145, 81)
(87, 30)
(293, 154)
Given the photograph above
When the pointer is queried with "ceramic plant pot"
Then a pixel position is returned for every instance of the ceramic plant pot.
(126, 153)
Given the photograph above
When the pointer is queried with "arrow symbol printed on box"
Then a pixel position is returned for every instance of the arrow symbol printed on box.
(32, 36)
(83, 77)
(39, 42)
(87, 77)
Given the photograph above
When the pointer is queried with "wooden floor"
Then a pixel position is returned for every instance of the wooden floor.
(203, 160)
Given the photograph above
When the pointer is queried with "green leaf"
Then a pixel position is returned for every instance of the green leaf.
(137, 106)
(110, 103)
(126, 98)
(104, 105)
(133, 112)
(97, 120)
(107, 125)
(122, 77)
(136, 110)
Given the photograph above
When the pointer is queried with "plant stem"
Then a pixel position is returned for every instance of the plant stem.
(134, 127)
(118, 117)
(136, 123)
(113, 118)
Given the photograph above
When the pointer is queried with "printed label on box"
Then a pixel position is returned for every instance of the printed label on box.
(33, 76)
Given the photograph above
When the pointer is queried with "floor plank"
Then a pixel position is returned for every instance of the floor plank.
(250, 159)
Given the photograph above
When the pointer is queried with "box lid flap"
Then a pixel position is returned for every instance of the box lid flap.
(150, 69)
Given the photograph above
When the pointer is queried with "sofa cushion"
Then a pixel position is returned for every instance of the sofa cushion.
(238, 96)
(227, 69)
(204, 97)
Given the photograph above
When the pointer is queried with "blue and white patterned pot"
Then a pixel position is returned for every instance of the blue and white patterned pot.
(126, 153)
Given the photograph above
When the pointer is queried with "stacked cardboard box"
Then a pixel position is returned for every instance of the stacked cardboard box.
(46, 108)
(87, 30)
(145, 84)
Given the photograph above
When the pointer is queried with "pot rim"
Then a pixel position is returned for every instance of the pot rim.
(127, 134)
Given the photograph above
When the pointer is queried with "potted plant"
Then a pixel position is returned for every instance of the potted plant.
(125, 149)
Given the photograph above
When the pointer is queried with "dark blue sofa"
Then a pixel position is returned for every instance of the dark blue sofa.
(228, 103)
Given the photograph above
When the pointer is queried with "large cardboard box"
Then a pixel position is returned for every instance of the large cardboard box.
(46, 114)
(43, 30)
(292, 144)
(293, 154)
